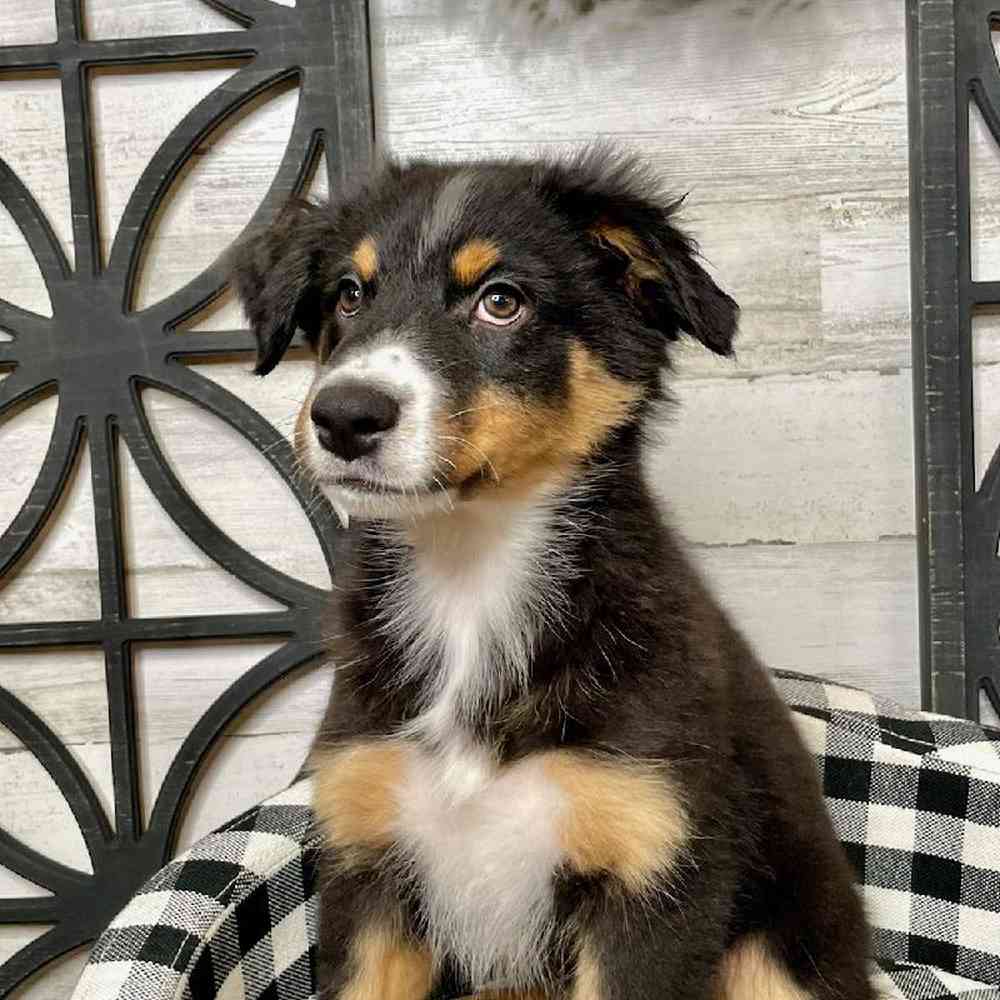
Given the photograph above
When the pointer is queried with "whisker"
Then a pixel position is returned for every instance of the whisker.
(469, 444)
(473, 409)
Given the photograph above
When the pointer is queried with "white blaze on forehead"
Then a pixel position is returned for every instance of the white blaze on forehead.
(388, 363)
(445, 214)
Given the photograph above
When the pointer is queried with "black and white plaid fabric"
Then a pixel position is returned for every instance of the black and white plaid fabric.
(915, 799)
(233, 918)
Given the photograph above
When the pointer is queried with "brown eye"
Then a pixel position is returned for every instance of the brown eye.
(499, 305)
(349, 297)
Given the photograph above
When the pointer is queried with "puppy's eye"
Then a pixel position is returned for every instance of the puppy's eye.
(349, 297)
(500, 305)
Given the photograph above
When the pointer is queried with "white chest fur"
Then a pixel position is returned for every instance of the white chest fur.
(475, 589)
(482, 846)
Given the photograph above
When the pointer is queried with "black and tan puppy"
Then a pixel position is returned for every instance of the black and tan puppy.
(550, 765)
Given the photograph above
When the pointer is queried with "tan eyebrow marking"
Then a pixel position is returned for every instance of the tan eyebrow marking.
(365, 258)
(472, 260)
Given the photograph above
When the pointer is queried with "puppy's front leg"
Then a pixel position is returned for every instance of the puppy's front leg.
(653, 926)
(365, 951)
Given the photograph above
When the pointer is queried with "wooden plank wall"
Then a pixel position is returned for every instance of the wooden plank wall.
(788, 470)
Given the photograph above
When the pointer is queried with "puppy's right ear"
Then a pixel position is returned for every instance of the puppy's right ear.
(275, 273)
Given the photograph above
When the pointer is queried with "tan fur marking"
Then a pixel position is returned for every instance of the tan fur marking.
(472, 260)
(365, 258)
(643, 266)
(505, 438)
(355, 795)
(386, 967)
(750, 971)
(587, 985)
(623, 817)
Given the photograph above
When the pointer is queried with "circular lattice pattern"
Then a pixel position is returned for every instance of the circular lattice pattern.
(98, 353)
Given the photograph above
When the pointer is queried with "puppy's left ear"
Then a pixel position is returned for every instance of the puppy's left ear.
(606, 196)
(658, 265)
(274, 272)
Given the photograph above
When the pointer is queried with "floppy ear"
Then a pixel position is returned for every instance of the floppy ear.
(607, 197)
(275, 272)
(659, 268)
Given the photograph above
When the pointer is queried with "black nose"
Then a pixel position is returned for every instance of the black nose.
(351, 418)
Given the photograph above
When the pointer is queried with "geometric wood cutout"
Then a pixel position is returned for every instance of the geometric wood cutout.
(99, 352)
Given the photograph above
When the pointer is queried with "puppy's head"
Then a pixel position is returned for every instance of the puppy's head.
(477, 328)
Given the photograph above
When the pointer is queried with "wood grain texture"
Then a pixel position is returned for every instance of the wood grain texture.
(143, 18)
(984, 182)
(843, 611)
(823, 458)
(206, 210)
(25, 23)
(56, 982)
(814, 458)
(119, 97)
(985, 390)
(35, 148)
(790, 138)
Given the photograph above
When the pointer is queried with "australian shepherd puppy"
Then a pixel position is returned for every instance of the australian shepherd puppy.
(550, 767)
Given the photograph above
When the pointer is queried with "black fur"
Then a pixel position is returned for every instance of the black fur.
(647, 665)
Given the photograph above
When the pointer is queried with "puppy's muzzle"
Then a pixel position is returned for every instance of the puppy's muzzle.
(352, 418)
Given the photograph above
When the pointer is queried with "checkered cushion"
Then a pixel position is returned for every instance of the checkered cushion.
(915, 798)
(232, 918)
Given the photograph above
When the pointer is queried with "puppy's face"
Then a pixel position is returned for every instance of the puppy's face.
(479, 328)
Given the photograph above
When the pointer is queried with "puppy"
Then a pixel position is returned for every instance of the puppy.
(550, 767)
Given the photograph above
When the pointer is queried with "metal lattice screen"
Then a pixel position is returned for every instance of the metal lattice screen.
(97, 352)
(954, 78)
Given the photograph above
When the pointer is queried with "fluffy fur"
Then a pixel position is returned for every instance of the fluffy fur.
(550, 764)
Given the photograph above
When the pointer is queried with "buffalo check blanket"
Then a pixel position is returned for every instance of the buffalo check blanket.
(915, 798)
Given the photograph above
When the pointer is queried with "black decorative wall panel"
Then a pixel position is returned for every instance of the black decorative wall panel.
(952, 63)
(98, 353)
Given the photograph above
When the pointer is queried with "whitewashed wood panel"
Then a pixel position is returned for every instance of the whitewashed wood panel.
(259, 755)
(985, 390)
(144, 18)
(262, 750)
(790, 137)
(243, 494)
(23, 439)
(811, 458)
(35, 148)
(817, 458)
(34, 809)
(66, 687)
(25, 23)
(984, 183)
(121, 96)
(68, 548)
(56, 982)
(843, 611)
(207, 210)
